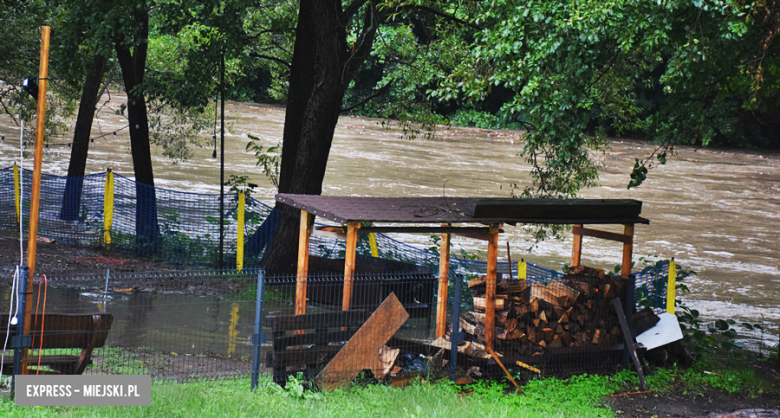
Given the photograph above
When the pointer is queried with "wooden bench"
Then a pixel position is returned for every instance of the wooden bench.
(79, 331)
(309, 340)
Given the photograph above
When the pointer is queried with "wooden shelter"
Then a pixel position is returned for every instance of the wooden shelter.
(447, 212)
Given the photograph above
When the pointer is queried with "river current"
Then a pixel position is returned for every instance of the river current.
(716, 211)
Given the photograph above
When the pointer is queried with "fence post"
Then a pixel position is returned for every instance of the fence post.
(372, 244)
(455, 335)
(16, 191)
(522, 270)
(240, 231)
(108, 207)
(258, 338)
(629, 310)
(671, 286)
(20, 341)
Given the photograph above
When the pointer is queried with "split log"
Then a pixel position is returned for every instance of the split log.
(480, 302)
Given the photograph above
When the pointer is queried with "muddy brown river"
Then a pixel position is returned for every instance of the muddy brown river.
(716, 211)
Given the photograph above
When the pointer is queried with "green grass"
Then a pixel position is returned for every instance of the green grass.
(578, 396)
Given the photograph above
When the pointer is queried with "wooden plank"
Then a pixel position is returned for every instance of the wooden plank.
(629, 341)
(628, 249)
(576, 247)
(597, 209)
(320, 338)
(444, 280)
(490, 291)
(444, 229)
(349, 263)
(352, 318)
(586, 232)
(298, 358)
(362, 350)
(303, 262)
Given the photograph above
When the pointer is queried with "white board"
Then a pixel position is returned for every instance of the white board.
(666, 331)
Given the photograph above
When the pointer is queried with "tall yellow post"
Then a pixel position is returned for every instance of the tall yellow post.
(671, 286)
(240, 232)
(372, 244)
(16, 191)
(108, 207)
(522, 270)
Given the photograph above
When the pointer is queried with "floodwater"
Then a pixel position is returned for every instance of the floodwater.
(715, 211)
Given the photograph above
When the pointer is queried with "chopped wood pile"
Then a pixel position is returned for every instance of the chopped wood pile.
(573, 311)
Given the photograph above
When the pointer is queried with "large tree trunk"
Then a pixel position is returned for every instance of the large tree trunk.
(71, 200)
(322, 68)
(133, 67)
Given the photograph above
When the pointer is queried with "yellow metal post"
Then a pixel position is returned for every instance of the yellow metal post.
(240, 232)
(671, 286)
(372, 244)
(16, 191)
(108, 207)
(522, 270)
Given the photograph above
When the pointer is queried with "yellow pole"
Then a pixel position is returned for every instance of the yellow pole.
(16, 191)
(522, 270)
(671, 286)
(240, 232)
(372, 244)
(108, 207)
(35, 200)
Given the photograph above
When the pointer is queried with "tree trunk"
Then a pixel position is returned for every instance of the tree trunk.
(323, 65)
(133, 67)
(71, 200)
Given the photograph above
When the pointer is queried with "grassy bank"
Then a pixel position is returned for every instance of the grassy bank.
(581, 396)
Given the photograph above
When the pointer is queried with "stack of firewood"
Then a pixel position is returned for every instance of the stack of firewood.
(572, 311)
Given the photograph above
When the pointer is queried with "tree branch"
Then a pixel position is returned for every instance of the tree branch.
(268, 57)
(353, 7)
(377, 93)
(446, 16)
(9, 113)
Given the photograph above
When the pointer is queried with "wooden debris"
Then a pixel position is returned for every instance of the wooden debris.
(362, 350)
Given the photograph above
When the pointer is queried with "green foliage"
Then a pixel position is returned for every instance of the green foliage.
(268, 158)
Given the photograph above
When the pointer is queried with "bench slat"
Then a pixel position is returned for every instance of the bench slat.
(320, 320)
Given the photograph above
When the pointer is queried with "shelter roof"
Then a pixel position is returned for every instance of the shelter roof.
(344, 209)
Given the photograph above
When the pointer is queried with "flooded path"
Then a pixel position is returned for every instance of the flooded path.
(715, 211)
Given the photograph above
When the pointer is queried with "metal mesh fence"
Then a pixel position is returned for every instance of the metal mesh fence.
(170, 325)
(181, 325)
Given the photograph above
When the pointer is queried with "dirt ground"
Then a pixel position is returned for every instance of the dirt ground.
(54, 258)
(709, 403)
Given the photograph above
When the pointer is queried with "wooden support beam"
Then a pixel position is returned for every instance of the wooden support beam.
(629, 340)
(444, 277)
(445, 228)
(576, 248)
(601, 234)
(349, 263)
(628, 250)
(490, 292)
(307, 220)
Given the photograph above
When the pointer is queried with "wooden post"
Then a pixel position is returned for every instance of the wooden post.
(349, 263)
(490, 293)
(628, 250)
(576, 248)
(444, 281)
(35, 200)
(303, 262)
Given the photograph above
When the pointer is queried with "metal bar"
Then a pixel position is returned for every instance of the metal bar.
(21, 310)
(257, 338)
(456, 336)
(222, 165)
(629, 310)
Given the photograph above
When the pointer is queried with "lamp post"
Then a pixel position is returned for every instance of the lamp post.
(222, 163)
